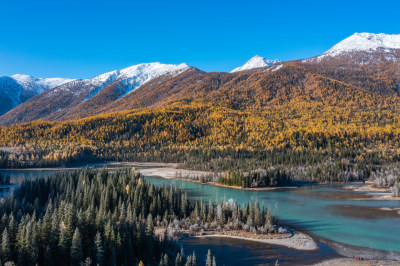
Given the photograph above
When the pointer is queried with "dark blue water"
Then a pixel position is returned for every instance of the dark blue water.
(243, 252)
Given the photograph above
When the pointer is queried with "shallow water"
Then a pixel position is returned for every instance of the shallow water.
(327, 211)
(243, 252)
(324, 216)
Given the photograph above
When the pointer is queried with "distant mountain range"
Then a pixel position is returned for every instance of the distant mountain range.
(18, 88)
(25, 98)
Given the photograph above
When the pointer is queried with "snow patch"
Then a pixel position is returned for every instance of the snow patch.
(133, 77)
(368, 42)
(256, 62)
(39, 85)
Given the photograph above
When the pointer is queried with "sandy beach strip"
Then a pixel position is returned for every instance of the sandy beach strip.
(372, 192)
(297, 240)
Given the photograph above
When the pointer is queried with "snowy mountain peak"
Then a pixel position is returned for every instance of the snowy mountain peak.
(255, 62)
(152, 70)
(137, 75)
(38, 84)
(365, 42)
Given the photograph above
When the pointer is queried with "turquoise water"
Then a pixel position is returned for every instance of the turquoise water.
(325, 210)
(17, 176)
(318, 210)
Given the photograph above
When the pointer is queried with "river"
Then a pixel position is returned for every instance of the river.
(327, 211)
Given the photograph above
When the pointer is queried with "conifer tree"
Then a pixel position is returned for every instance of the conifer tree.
(209, 259)
(99, 249)
(76, 248)
(5, 246)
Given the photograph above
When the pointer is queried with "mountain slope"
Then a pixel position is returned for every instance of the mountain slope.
(364, 48)
(88, 94)
(38, 85)
(18, 88)
(256, 89)
(255, 62)
(10, 94)
(366, 42)
(286, 113)
(365, 63)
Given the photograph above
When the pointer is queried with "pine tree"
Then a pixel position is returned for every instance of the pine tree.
(203, 212)
(194, 263)
(5, 246)
(210, 214)
(183, 205)
(178, 260)
(99, 249)
(257, 215)
(164, 260)
(63, 248)
(208, 259)
(149, 235)
(76, 248)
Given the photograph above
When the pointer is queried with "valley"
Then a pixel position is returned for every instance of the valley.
(317, 201)
(150, 163)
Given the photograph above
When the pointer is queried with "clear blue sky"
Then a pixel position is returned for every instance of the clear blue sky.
(81, 39)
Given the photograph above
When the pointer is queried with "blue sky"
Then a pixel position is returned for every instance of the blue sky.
(81, 39)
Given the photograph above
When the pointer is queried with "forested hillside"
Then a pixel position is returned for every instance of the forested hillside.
(331, 120)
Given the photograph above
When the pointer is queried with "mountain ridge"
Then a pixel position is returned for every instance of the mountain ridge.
(18, 88)
(154, 84)
(62, 100)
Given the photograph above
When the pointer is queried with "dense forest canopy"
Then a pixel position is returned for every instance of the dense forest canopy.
(98, 217)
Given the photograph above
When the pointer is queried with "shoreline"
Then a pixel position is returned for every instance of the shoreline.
(372, 192)
(305, 241)
(171, 174)
(296, 240)
(348, 251)
(293, 238)
(343, 249)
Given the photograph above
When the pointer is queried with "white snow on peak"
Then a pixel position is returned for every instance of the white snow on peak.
(140, 73)
(38, 84)
(135, 76)
(132, 77)
(365, 42)
(255, 62)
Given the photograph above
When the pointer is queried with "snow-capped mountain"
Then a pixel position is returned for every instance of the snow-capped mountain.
(129, 78)
(364, 43)
(135, 76)
(39, 85)
(83, 96)
(18, 88)
(255, 62)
